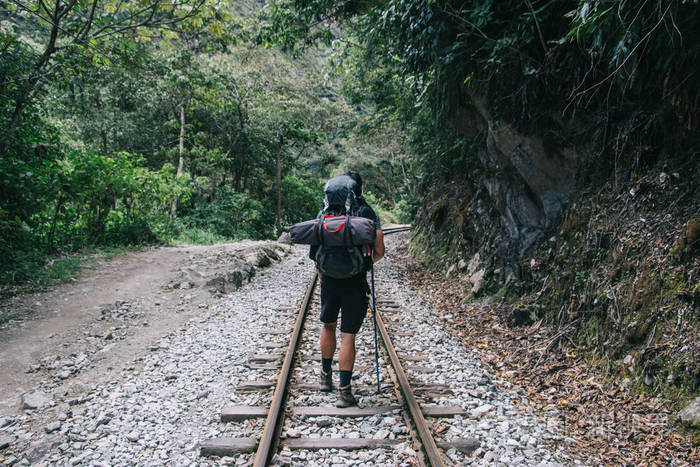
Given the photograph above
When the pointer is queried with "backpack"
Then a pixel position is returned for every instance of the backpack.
(347, 260)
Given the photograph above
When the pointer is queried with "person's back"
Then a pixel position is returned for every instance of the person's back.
(349, 294)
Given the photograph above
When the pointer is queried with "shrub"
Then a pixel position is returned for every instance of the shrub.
(232, 215)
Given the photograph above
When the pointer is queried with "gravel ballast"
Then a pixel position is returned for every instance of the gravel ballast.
(158, 414)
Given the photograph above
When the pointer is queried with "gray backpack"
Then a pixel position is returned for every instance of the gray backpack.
(344, 239)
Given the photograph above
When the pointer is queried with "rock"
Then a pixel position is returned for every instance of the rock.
(474, 264)
(690, 415)
(42, 448)
(285, 238)
(489, 457)
(5, 441)
(481, 410)
(133, 436)
(629, 359)
(257, 258)
(35, 400)
(461, 264)
(6, 421)
(523, 315)
(51, 427)
(103, 420)
(477, 280)
(324, 421)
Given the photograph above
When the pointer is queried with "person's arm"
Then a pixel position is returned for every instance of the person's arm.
(378, 251)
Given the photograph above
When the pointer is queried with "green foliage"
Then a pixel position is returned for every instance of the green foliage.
(94, 200)
(301, 199)
(113, 199)
(406, 208)
(232, 215)
(91, 133)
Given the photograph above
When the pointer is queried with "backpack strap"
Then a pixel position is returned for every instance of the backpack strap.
(348, 230)
(348, 201)
(318, 228)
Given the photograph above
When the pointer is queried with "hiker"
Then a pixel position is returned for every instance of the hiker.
(348, 296)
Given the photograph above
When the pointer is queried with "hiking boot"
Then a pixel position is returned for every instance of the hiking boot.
(326, 381)
(345, 397)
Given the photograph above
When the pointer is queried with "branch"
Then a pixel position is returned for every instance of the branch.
(110, 29)
(85, 29)
(537, 24)
(624, 62)
(44, 7)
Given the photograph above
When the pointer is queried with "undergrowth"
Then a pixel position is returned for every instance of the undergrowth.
(617, 280)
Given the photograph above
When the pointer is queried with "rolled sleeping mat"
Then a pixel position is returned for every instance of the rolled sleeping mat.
(333, 231)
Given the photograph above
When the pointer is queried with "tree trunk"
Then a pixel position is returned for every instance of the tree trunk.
(279, 187)
(181, 161)
(26, 96)
(59, 205)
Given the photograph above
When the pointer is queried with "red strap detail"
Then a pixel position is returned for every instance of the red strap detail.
(325, 227)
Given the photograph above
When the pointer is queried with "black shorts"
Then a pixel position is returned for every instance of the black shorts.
(350, 296)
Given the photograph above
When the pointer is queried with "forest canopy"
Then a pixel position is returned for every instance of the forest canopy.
(127, 123)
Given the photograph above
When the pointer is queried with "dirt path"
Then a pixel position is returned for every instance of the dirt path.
(76, 335)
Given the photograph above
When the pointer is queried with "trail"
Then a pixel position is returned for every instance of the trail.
(73, 336)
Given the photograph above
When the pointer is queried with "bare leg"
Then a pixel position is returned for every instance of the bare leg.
(328, 340)
(346, 355)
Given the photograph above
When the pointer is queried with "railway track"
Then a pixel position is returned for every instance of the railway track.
(292, 403)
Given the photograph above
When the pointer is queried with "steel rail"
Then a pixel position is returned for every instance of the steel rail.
(270, 432)
(402, 228)
(431, 449)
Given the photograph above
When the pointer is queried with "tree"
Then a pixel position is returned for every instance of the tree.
(97, 28)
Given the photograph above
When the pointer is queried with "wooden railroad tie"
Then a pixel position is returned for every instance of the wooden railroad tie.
(275, 332)
(231, 446)
(251, 386)
(414, 358)
(420, 369)
(273, 345)
(314, 444)
(227, 446)
(255, 386)
(233, 413)
(271, 357)
(264, 366)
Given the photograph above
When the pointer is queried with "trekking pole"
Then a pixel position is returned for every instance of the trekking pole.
(374, 318)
